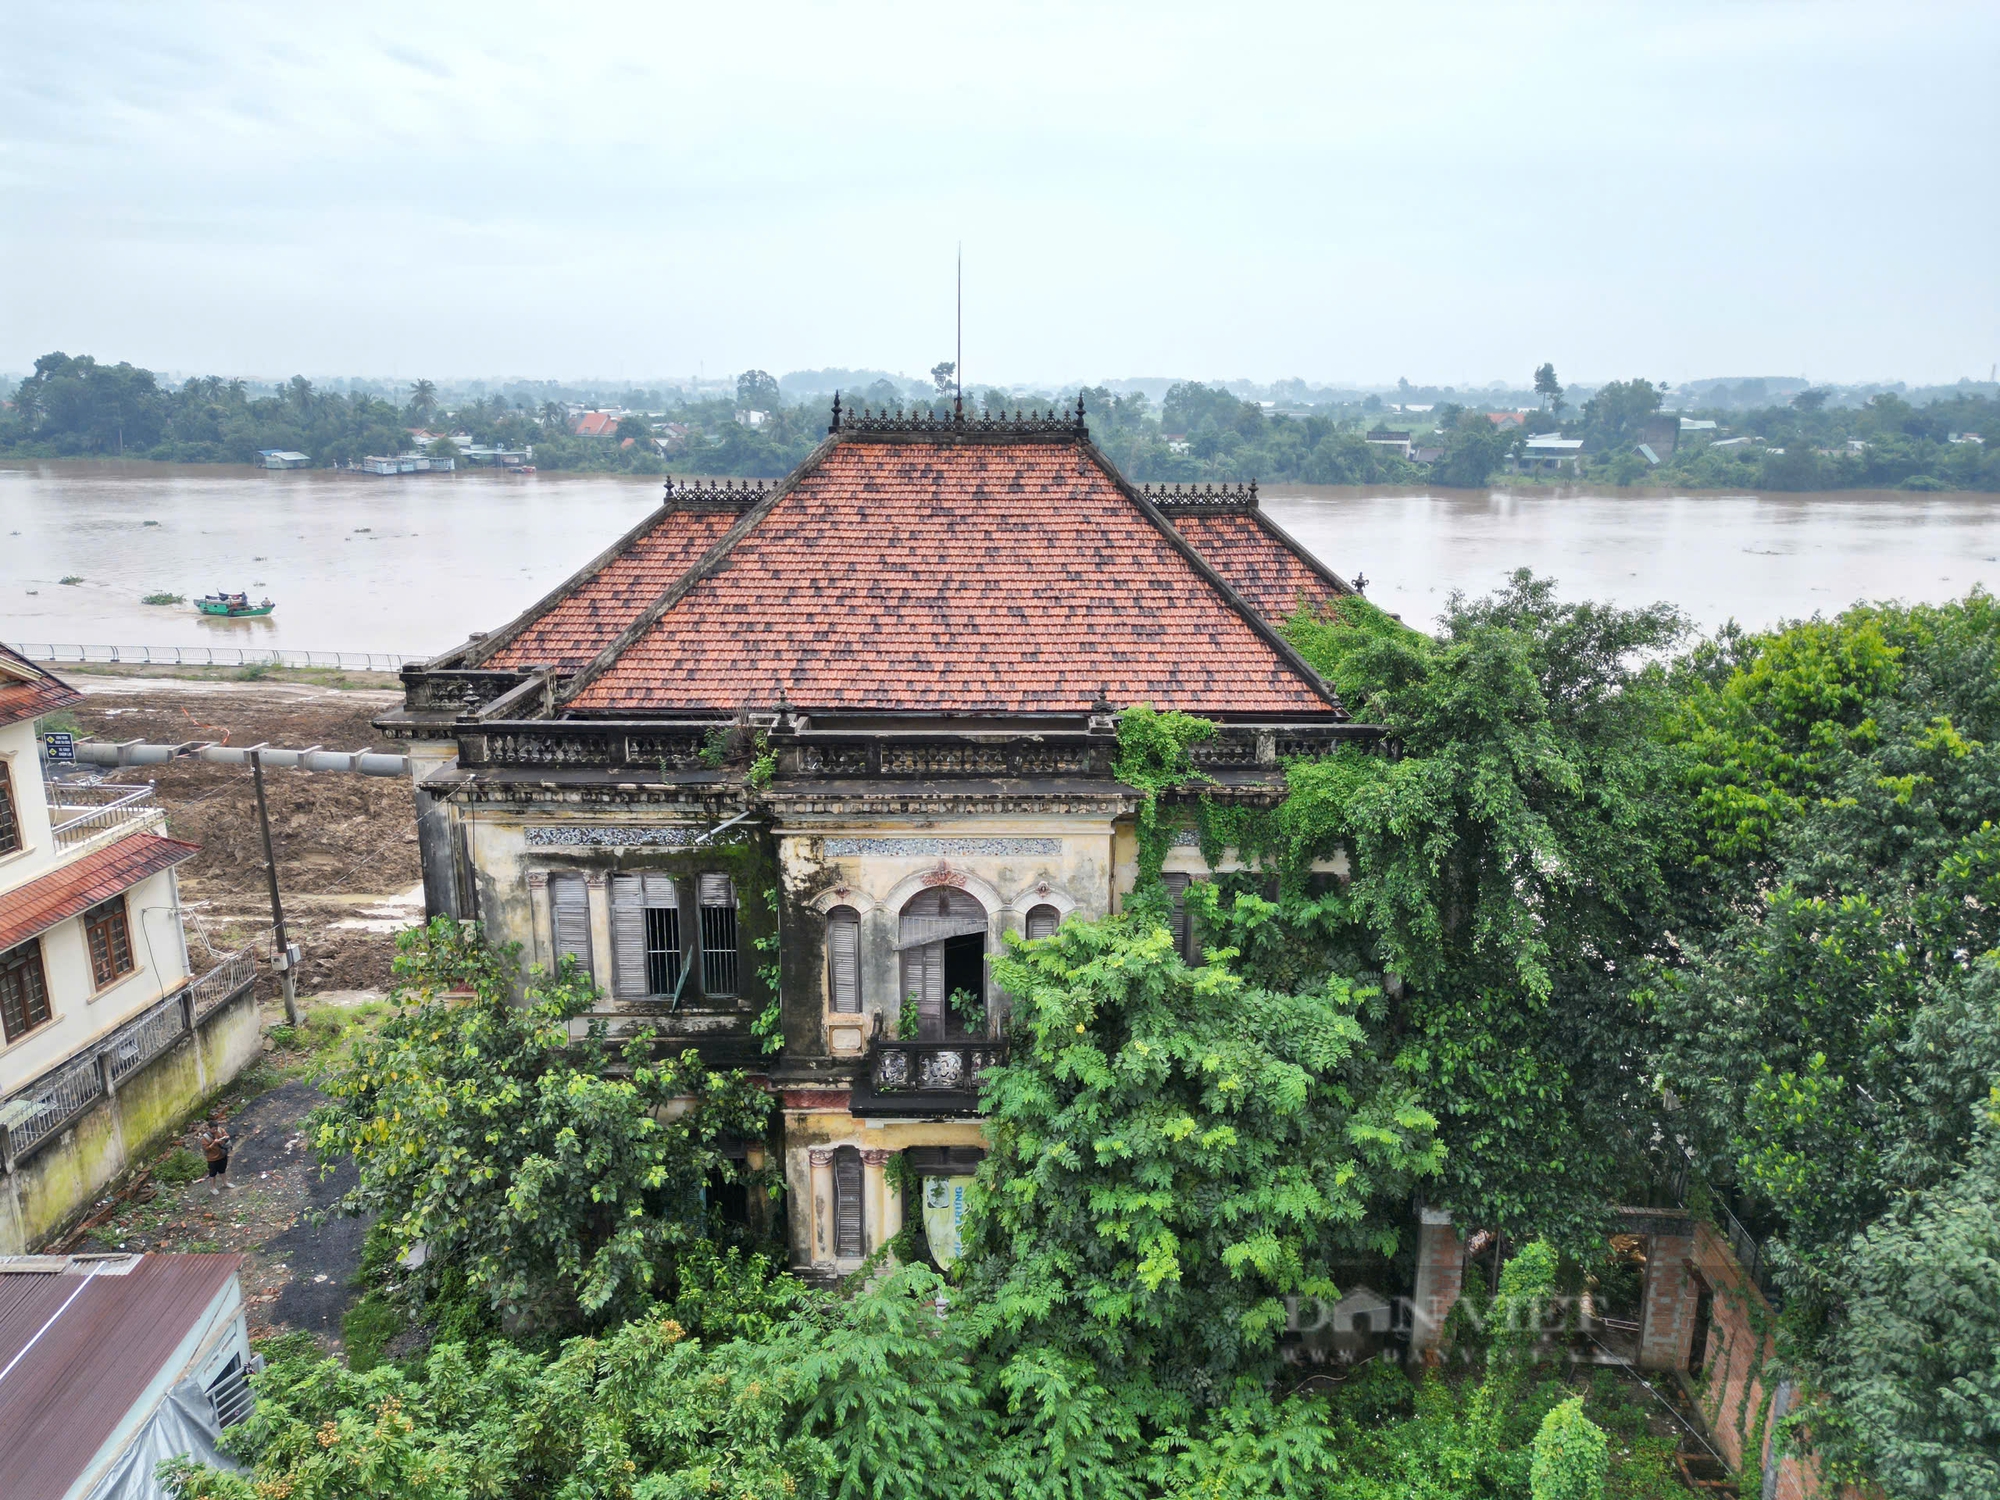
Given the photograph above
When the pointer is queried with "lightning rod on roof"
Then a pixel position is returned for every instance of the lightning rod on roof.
(958, 367)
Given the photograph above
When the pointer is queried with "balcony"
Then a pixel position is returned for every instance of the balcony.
(926, 1077)
(81, 814)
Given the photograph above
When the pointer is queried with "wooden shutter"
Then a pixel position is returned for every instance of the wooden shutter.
(923, 979)
(569, 902)
(628, 936)
(843, 958)
(847, 1230)
(1043, 921)
(1177, 883)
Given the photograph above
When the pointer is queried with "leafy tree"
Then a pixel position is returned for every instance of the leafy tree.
(1809, 400)
(757, 390)
(1572, 1458)
(1549, 388)
(1473, 449)
(1511, 869)
(1175, 1152)
(558, 1189)
(942, 375)
(1612, 418)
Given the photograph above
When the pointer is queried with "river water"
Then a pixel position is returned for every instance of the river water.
(411, 564)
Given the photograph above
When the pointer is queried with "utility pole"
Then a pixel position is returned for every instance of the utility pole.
(284, 960)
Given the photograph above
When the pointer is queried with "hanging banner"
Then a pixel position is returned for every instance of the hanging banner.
(944, 1212)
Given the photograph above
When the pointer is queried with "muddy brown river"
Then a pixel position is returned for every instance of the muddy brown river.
(411, 564)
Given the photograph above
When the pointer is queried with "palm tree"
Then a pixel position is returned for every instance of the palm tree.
(423, 400)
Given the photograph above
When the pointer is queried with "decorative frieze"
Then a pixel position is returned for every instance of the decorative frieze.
(930, 847)
(820, 1156)
(599, 836)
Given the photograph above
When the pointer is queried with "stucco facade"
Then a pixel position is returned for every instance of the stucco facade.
(863, 729)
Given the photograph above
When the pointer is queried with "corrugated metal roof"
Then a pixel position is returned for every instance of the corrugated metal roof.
(77, 1350)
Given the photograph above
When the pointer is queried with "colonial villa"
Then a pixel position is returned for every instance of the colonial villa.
(107, 1037)
(783, 759)
(933, 623)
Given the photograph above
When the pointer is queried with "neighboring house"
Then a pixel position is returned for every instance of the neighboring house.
(1426, 455)
(97, 998)
(1694, 424)
(930, 628)
(752, 418)
(1507, 418)
(110, 1364)
(1388, 437)
(281, 458)
(1549, 453)
(595, 424)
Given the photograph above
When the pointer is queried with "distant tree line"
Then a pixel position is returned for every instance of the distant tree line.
(77, 407)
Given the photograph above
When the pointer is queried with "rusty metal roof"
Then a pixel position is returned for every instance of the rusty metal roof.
(81, 1340)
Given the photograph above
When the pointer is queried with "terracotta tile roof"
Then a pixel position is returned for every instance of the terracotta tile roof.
(72, 888)
(28, 692)
(595, 424)
(955, 576)
(570, 632)
(1258, 561)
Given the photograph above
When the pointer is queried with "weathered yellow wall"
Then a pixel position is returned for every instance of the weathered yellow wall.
(56, 1184)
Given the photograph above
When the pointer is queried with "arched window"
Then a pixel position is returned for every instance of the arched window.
(1043, 921)
(849, 1237)
(843, 960)
(943, 944)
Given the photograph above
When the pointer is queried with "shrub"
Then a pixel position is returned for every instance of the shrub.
(163, 598)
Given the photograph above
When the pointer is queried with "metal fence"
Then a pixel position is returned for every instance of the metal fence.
(212, 656)
(32, 1115)
(95, 809)
(1749, 1252)
(222, 981)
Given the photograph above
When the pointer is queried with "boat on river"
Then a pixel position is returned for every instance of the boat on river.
(235, 606)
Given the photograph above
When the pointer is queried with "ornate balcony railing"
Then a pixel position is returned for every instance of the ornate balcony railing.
(78, 814)
(937, 1067)
(1064, 749)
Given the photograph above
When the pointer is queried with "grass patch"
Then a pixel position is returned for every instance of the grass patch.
(71, 579)
(179, 1165)
(366, 1329)
(257, 671)
(163, 598)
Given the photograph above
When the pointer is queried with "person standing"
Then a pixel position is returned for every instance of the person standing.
(214, 1138)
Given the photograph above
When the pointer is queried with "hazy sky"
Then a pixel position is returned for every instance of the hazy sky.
(1350, 193)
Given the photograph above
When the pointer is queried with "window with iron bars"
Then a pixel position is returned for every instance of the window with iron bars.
(718, 935)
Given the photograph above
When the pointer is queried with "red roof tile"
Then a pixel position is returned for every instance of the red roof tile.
(1259, 561)
(955, 576)
(28, 692)
(68, 889)
(581, 623)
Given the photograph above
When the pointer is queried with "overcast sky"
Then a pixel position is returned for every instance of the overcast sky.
(1347, 193)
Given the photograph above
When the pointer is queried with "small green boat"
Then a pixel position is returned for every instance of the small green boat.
(235, 606)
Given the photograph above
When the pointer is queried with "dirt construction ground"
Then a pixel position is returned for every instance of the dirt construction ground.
(346, 844)
(348, 873)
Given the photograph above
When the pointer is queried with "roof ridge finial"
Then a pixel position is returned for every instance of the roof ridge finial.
(1079, 409)
(836, 413)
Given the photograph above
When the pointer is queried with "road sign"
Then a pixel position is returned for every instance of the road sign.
(61, 744)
